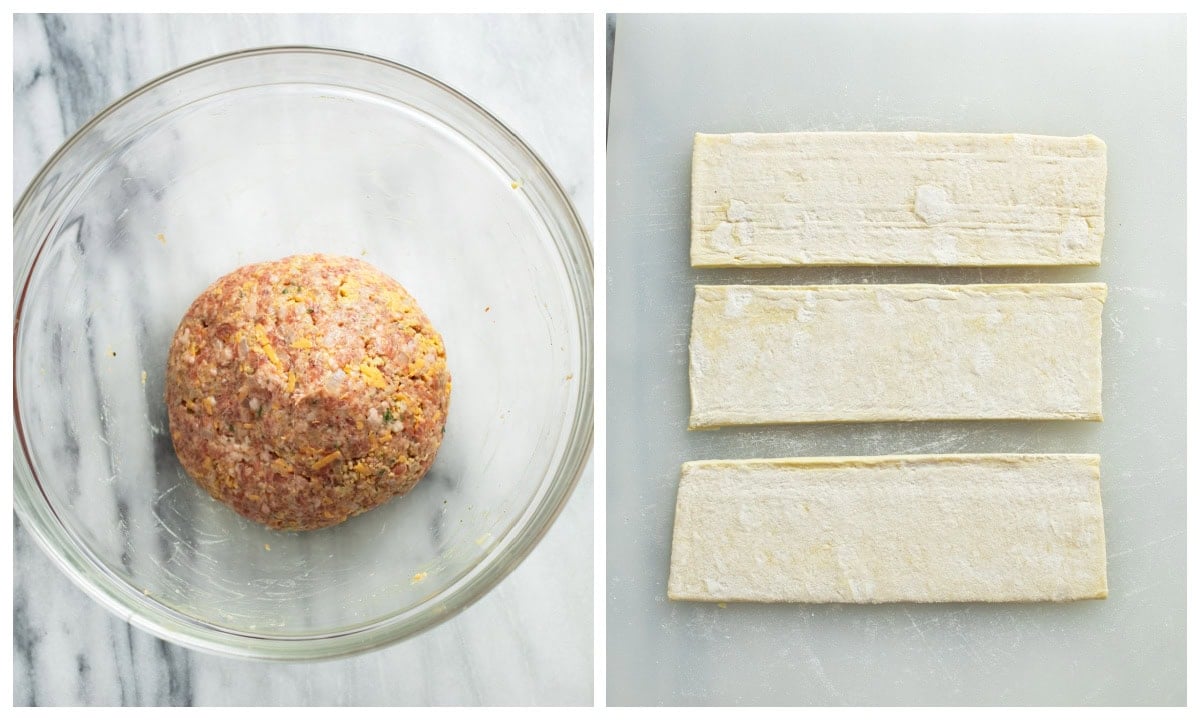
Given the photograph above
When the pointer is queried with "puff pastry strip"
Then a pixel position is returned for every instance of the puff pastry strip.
(920, 528)
(839, 353)
(833, 198)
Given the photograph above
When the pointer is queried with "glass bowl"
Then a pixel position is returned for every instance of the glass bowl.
(258, 155)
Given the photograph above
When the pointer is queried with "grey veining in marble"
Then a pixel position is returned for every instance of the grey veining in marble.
(527, 642)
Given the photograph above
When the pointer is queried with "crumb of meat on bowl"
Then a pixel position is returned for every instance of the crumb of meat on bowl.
(304, 391)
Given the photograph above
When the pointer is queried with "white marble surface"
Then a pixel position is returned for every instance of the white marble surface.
(530, 640)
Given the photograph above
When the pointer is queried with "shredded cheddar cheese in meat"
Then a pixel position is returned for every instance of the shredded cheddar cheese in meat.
(335, 455)
(372, 376)
(307, 390)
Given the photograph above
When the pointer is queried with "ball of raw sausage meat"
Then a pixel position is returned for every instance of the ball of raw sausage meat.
(307, 390)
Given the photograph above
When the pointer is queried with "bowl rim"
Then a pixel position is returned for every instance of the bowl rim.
(97, 581)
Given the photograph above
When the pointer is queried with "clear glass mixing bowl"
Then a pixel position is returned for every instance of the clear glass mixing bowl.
(259, 155)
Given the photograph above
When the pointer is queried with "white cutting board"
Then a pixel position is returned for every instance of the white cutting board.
(1121, 78)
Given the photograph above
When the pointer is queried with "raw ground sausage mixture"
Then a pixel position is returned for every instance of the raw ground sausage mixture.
(304, 391)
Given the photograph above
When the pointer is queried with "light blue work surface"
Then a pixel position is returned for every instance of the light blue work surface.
(1119, 77)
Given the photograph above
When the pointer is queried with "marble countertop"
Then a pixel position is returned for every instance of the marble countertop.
(527, 642)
